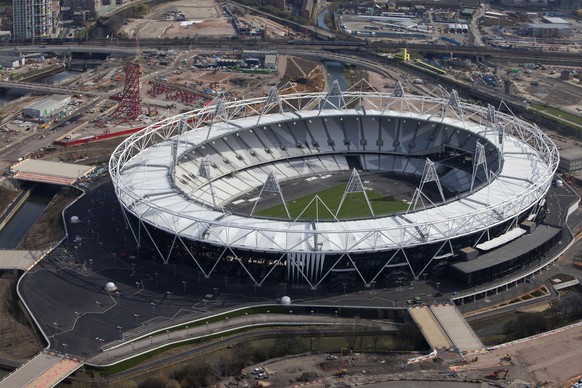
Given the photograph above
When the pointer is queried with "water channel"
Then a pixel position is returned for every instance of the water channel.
(26, 216)
(14, 93)
(15, 230)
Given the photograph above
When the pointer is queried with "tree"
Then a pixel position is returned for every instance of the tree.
(314, 339)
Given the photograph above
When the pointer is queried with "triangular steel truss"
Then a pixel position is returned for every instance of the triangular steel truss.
(429, 175)
(271, 185)
(354, 185)
(204, 172)
(334, 98)
(398, 91)
(479, 159)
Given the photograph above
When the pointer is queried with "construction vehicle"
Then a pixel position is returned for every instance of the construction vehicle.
(341, 373)
(498, 374)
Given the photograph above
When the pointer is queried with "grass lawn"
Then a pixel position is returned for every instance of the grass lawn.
(354, 205)
(559, 113)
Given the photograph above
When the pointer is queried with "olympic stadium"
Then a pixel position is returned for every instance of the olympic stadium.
(215, 187)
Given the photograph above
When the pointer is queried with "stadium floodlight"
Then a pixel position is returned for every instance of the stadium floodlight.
(354, 185)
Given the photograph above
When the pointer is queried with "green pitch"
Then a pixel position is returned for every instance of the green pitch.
(310, 208)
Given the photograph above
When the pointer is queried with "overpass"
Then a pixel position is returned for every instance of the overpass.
(127, 47)
(40, 88)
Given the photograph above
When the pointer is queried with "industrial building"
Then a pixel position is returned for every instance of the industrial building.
(35, 19)
(47, 107)
(570, 159)
(12, 62)
(549, 30)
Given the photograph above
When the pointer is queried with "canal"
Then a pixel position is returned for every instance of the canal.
(17, 227)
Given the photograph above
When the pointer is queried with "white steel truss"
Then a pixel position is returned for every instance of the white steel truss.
(142, 174)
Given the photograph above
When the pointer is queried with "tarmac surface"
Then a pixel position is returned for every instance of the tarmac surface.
(66, 293)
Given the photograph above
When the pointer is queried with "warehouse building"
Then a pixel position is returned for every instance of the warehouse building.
(47, 107)
(570, 159)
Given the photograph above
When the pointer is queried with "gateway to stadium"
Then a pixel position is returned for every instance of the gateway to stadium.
(192, 188)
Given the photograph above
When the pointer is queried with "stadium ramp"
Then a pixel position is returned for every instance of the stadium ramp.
(433, 332)
(44, 370)
(457, 328)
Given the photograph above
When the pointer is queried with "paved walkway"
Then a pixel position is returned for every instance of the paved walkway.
(44, 370)
(119, 350)
(433, 332)
(457, 329)
(19, 259)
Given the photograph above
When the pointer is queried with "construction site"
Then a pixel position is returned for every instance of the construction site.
(102, 101)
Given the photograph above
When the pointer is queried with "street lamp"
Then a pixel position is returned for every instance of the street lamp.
(268, 312)
(290, 314)
(247, 317)
(184, 283)
(226, 319)
(215, 293)
(345, 285)
(154, 308)
(65, 346)
(311, 315)
(136, 319)
(120, 335)
(207, 328)
(187, 330)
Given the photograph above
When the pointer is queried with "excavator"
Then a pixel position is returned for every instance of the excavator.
(498, 374)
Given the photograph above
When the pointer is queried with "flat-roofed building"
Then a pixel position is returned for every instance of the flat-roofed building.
(47, 107)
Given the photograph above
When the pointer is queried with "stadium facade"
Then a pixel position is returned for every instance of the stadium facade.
(176, 179)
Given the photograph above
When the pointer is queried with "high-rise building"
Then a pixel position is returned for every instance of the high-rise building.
(34, 19)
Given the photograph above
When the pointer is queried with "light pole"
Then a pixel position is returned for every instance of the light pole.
(335, 320)
(187, 330)
(247, 318)
(168, 332)
(207, 328)
(169, 293)
(120, 335)
(65, 346)
(215, 292)
(345, 285)
(290, 315)
(226, 320)
(154, 308)
(268, 316)
(373, 284)
(311, 315)
(184, 283)
(136, 319)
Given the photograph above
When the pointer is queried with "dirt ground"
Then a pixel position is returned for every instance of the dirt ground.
(18, 341)
(204, 18)
(558, 363)
(357, 369)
